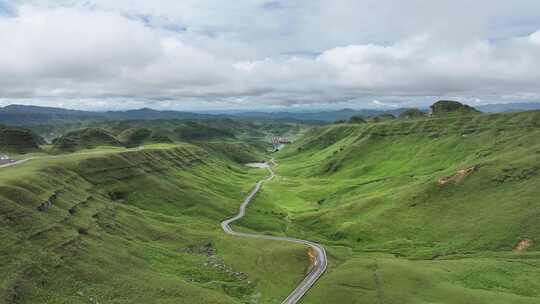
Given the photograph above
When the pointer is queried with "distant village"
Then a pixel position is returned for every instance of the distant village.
(278, 142)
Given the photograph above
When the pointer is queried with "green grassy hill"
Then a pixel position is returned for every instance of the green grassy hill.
(445, 107)
(194, 131)
(133, 137)
(85, 139)
(439, 209)
(135, 227)
(433, 210)
(18, 140)
(412, 114)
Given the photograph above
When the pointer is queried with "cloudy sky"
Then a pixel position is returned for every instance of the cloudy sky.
(215, 54)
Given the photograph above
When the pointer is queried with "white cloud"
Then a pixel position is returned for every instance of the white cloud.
(203, 53)
(535, 37)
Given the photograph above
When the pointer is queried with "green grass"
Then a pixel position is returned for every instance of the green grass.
(370, 194)
(143, 226)
(134, 227)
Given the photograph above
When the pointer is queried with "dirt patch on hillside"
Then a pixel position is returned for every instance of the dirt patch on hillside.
(312, 257)
(458, 177)
(523, 245)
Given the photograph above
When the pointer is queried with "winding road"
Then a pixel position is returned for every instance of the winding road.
(318, 267)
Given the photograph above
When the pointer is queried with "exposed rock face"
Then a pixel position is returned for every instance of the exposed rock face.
(443, 107)
(523, 245)
(458, 177)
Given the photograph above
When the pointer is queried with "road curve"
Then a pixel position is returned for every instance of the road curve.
(319, 266)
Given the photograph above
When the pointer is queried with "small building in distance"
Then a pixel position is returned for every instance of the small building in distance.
(278, 142)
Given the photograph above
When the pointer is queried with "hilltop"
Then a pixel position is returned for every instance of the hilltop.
(445, 107)
(85, 139)
(18, 140)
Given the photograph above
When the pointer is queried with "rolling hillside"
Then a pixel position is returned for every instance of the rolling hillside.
(135, 227)
(431, 210)
(85, 139)
(416, 209)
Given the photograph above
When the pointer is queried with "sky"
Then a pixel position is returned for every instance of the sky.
(267, 54)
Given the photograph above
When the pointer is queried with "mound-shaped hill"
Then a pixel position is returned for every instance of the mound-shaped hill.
(412, 114)
(18, 140)
(445, 107)
(357, 120)
(85, 139)
(197, 131)
(133, 137)
(382, 117)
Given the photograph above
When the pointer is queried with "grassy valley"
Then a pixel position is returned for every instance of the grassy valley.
(433, 210)
(439, 208)
(112, 225)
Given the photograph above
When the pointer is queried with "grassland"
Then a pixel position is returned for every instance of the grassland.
(430, 210)
(117, 226)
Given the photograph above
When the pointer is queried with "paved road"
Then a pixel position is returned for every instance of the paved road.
(316, 271)
(22, 161)
(319, 266)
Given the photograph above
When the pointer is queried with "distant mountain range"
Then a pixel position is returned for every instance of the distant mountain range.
(509, 107)
(32, 115)
(324, 116)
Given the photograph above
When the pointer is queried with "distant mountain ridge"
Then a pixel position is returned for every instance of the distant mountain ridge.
(323, 116)
(509, 107)
(33, 115)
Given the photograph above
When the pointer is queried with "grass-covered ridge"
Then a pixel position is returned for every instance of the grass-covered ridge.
(18, 140)
(430, 210)
(85, 139)
(135, 227)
